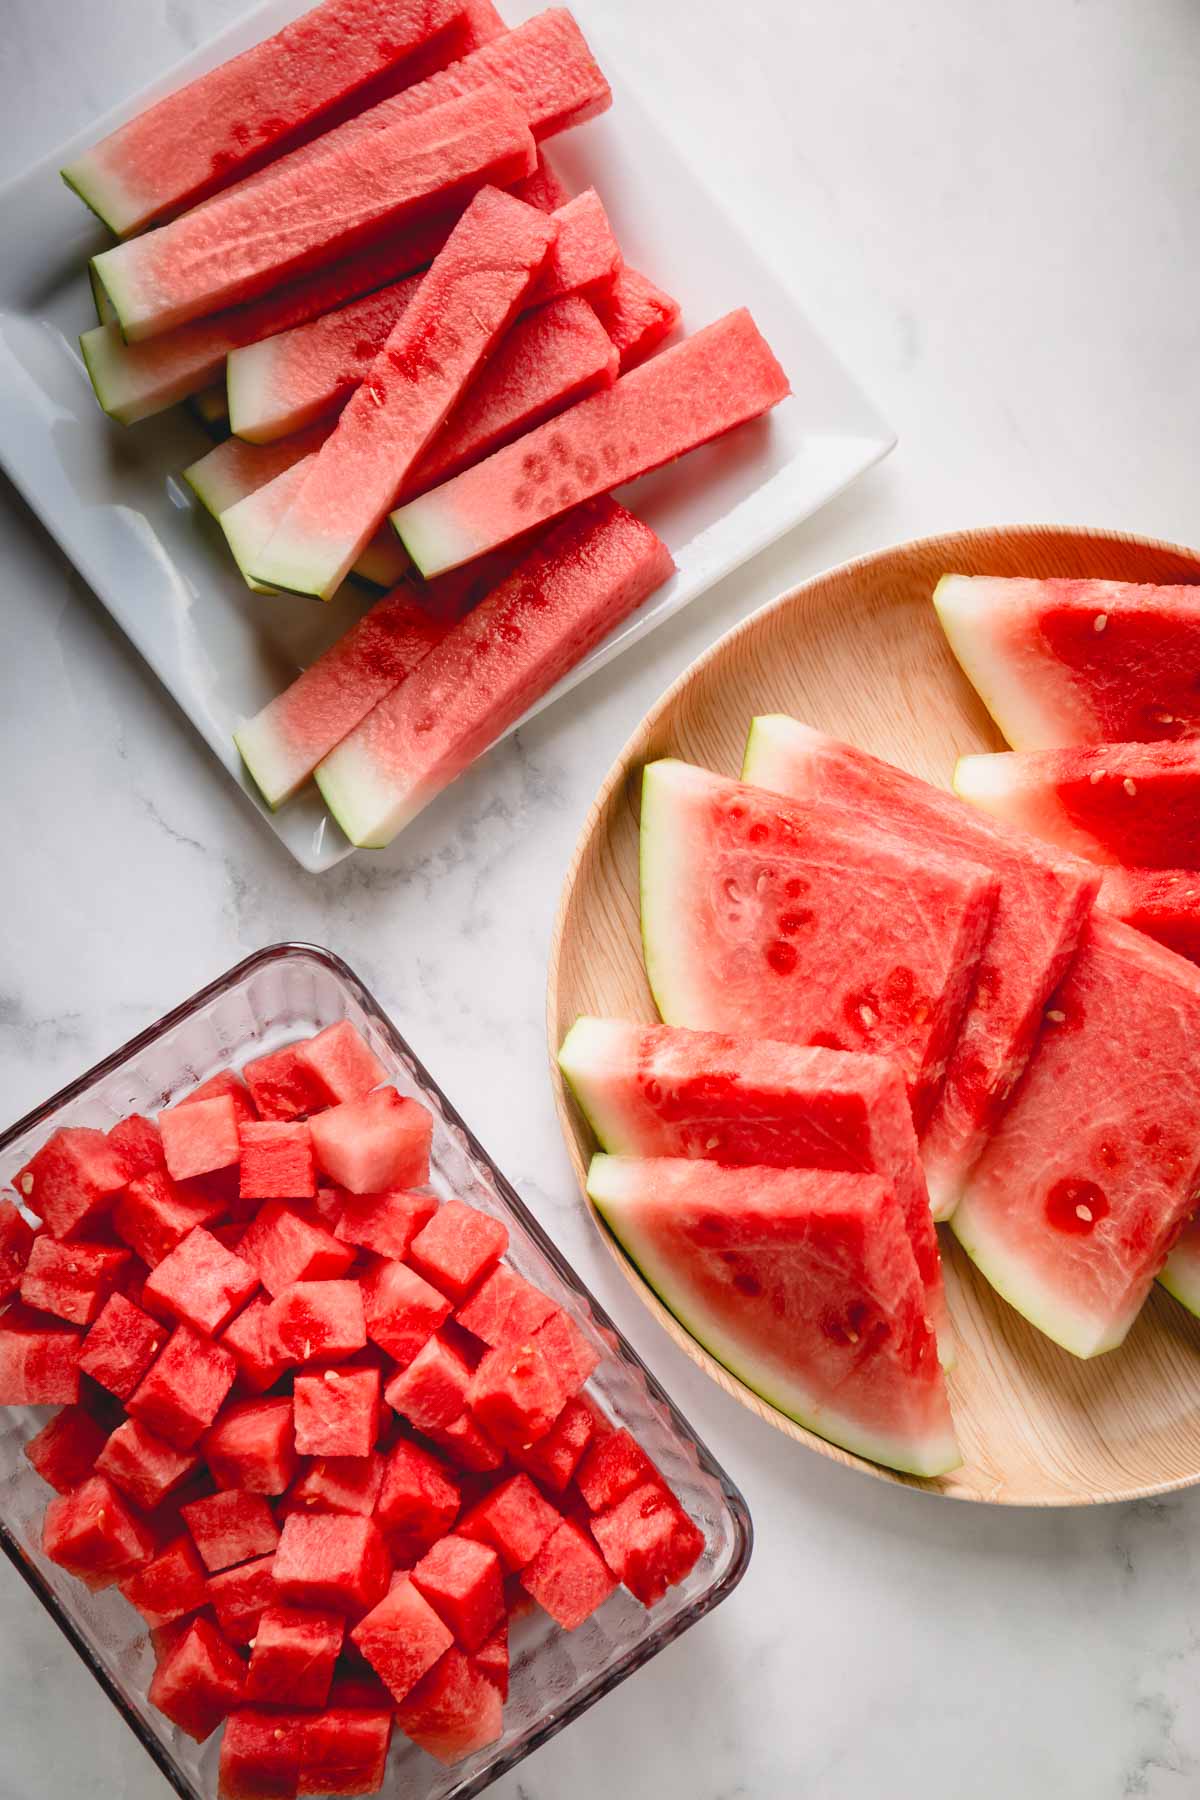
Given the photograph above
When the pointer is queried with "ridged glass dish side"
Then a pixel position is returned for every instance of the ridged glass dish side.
(281, 993)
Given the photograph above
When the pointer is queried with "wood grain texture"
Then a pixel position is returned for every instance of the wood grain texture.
(859, 653)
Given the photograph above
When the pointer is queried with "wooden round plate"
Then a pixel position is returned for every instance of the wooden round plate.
(859, 653)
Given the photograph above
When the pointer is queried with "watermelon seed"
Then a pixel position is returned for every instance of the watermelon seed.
(868, 1017)
(1165, 718)
(1130, 786)
(712, 1143)
(1100, 621)
(1084, 1212)
(307, 1348)
(27, 1184)
(332, 1376)
(1056, 1016)
(278, 1734)
(1097, 775)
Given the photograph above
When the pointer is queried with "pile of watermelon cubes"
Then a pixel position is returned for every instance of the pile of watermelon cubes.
(316, 1430)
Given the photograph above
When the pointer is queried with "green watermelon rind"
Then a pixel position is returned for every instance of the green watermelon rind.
(977, 615)
(658, 891)
(87, 182)
(431, 535)
(100, 300)
(1180, 1276)
(362, 805)
(576, 1056)
(938, 1456)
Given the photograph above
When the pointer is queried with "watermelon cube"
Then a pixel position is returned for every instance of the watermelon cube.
(374, 1144)
(648, 1541)
(318, 1320)
(64, 1451)
(418, 1501)
(199, 1681)
(343, 1750)
(201, 1283)
(231, 1527)
(491, 1659)
(39, 1360)
(144, 1466)
(253, 1446)
(181, 1392)
(281, 1085)
(16, 1241)
(568, 1577)
(432, 1390)
(240, 1596)
(334, 1561)
(154, 1215)
(402, 1311)
(276, 1160)
(342, 1066)
(72, 1281)
(339, 1484)
(452, 1711)
(504, 1306)
(562, 1343)
(458, 1247)
(384, 1223)
(199, 1137)
(515, 1519)
(518, 1391)
(402, 1637)
(614, 1467)
(467, 1445)
(170, 1586)
(73, 1180)
(260, 1755)
(285, 1246)
(259, 1359)
(121, 1345)
(295, 1649)
(93, 1534)
(224, 1085)
(337, 1412)
(139, 1144)
(554, 1458)
(461, 1579)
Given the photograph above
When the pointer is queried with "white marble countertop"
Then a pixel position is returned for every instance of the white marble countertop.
(990, 211)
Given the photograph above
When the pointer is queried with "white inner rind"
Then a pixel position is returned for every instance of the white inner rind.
(434, 539)
(987, 624)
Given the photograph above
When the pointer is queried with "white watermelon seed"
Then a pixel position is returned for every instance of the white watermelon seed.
(1084, 1212)
(1130, 786)
(868, 1017)
(1097, 775)
(332, 1376)
(1056, 1016)
(1165, 718)
(26, 1184)
(1100, 621)
(712, 1143)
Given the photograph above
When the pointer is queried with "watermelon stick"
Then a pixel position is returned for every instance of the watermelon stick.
(247, 110)
(306, 213)
(466, 301)
(636, 315)
(587, 574)
(696, 391)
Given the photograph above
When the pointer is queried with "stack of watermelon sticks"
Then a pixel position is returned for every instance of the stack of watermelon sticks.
(313, 1426)
(433, 361)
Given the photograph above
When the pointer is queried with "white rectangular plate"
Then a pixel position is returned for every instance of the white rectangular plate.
(113, 498)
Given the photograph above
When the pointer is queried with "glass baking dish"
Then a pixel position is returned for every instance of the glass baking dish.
(283, 992)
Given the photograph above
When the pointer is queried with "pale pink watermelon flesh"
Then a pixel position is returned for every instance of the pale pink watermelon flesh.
(1091, 1173)
(658, 1090)
(303, 217)
(564, 595)
(803, 1284)
(231, 471)
(768, 919)
(585, 258)
(135, 381)
(1043, 902)
(637, 316)
(252, 107)
(700, 389)
(1059, 663)
(1132, 805)
(1164, 903)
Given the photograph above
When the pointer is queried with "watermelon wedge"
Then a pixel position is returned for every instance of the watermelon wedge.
(135, 381)
(1092, 1172)
(305, 214)
(462, 307)
(1164, 903)
(654, 1090)
(803, 1284)
(1134, 805)
(1042, 905)
(1077, 662)
(578, 582)
(1181, 1271)
(768, 919)
(231, 471)
(636, 315)
(247, 110)
(700, 389)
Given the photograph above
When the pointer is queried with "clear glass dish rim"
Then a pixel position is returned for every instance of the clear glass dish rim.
(655, 1639)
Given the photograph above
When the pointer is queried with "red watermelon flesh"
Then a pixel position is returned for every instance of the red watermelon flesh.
(200, 1283)
(612, 1469)
(714, 381)
(768, 919)
(139, 1144)
(339, 1484)
(93, 1534)
(655, 1090)
(545, 188)
(120, 1346)
(318, 1321)
(284, 1246)
(514, 1519)
(453, 1711)
(295, 1649)
(461, 1580)
(180, 1393)
(64, 1451)
(247, 110)
(199, 1681)
(73, 1180)
(276, 1160)
(16, 1241)
(402, 1637)
(260, 1754)
(432, 1391)
(199, 1137)
(1164, 903)
(1133, 805)
(1061, 663)
(334, 1561)
(1042, 906)
(341, 1062)
(1093, 1170)
(39, 1360)
(281, 1085)
(467, 1446)
(72, 1281)
(252, 1446)
(504, 1306)
(465, 302)
(637, 316)
(418, 1502)
(568, 1577)
(337, 1412)
(522, 1385)
(155, 1214)
(458, 1247)
(170, 1586)
(402, 1310)
(343, 1750)
(384, 1223)
(222, 254)
(241, 1596)
(585, 258)
(231, 1527)
(804, 1284)
(648, 1542)
(225, 1084)
(144, 1466)
(491, 1659)
(259, 1358)
(578, 582)
(372, 1145)
(554, 1458)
